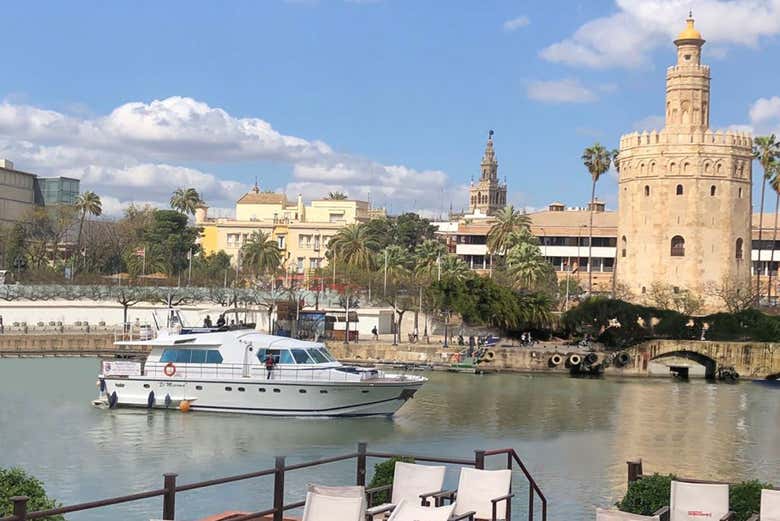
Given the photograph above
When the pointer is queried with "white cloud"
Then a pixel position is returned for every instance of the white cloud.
(516, 23)
(142, 150)
(560, 91)
(626, 37)
(654, 122)
(765, 110)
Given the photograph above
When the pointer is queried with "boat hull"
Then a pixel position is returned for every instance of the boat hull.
(263, 397)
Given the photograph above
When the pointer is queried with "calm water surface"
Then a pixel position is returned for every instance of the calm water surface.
(575, 436)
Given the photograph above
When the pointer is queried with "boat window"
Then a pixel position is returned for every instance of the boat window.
(285, 357)
(261, 354)
(169, 355)
(301, 357)
(318, 356)
(183, 356)
(213, 357)
(327, 354)
(198, 356)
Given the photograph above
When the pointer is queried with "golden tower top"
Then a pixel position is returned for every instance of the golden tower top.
(690, 32)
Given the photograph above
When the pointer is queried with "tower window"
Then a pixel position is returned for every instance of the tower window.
(679, 189)
(623, 244)
(647, 191)
(740, 193)
(739, 251)
(712, 191)
(644, 290)
(678, 246)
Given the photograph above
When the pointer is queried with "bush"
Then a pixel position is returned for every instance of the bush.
(16, 482)
(745, 498)
(383, 475)
(645, 496)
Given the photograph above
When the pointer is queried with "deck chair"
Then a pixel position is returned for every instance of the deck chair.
(618, 515)
(409, 482)
(481, 494)
(770, 506)
(331, 503)
(409, 510)
(697, 501)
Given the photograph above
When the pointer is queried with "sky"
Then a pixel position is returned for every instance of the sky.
(392, 98)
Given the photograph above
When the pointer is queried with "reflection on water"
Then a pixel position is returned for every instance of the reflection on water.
(574, 434)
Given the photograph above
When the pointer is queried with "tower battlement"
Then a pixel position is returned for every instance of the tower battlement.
(668, 137)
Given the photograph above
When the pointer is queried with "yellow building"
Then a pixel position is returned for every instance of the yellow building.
(302, 232)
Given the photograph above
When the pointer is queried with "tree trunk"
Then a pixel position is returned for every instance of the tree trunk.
(81, 227)
(772, 255)
(760, 233)
(590, 239)
(400, 313)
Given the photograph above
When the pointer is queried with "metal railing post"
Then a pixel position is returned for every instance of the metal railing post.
(279, 489)
(169, 498)
(20, 507)
(634, 470)
(479, 459)
(530, 502)
(361, 464)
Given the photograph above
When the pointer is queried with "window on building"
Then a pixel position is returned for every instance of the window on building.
(712, 191)
(678, 246)
(623, 244)
(739, 250)
(299, 265)
(644, 290)
(280, 241)
(679, 189)
(647, 191)
(314, 263)
(740, 193)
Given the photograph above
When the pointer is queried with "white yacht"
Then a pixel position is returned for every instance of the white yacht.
(226, 371)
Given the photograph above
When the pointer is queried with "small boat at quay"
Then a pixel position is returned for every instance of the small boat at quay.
(245, 371)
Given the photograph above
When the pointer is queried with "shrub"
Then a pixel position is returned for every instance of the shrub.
(383, 475)
(16, 482)
(645, 496)
(745, 498)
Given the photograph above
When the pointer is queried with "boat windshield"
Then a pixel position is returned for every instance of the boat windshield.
(296, 356)
(317, 355)
(327, 354)
(302, 357)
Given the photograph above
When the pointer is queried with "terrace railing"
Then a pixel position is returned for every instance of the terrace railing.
(170, 489)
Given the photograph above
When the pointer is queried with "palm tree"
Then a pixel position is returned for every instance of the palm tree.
(337, 196)
(774, 182)
(87, 203)
(508, 221)
(526, 265)
(394, 260)
(766, 149)
(452, 268)
(354, 246)
(185, 200)
(261, 254)
(427, 256)
(597, 160)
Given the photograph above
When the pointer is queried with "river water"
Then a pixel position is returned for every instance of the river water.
(575, 436)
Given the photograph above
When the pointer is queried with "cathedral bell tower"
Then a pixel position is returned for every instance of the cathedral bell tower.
(488, 195)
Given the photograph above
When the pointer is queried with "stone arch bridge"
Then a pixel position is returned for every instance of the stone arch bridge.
(751, 360)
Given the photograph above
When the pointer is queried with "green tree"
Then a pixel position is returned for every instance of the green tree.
(212, 269)
(454, 268)
(508, 222)
(337, 196)
(774, 182)
(597, 160)
(169, 237)
(765, 149)
(353, 246)
(185, 200)
(87, 203)
(261, 255)
(427, 257)
(412, 230)
(16, 482)
(527, 267)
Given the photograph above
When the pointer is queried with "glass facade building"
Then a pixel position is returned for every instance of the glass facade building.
(56, 190)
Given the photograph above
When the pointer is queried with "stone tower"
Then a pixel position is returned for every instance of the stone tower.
(488, 195)
(684, 202)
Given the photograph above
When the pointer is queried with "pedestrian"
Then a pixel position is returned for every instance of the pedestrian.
(2, 327)
(416, 334)
(207, 321)
(269, 365)
(221, 320)
(375, 333)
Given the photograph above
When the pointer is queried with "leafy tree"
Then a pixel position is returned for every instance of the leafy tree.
(261, 255)
(14, 248)
(508, 221)
(169, 238)
(353, 246)
(412, 230)
(597, 160)
(527, 267)
(453, 267)
(16, 482)
(337, 196)
(213, 268)
(427, 257)
(765, 149)
(186, 200)
(774, 182)
(87, 203)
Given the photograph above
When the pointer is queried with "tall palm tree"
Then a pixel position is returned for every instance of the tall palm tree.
(508, 221)
(526, 265)
(427, 257)
(774, 182)
(452, 268)
(766, 149)
(597, 160)
(185, 200)
(337, 196)
(87, 203)
(354, 246)
(261, 254)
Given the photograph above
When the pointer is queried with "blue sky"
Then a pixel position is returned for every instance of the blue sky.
(391, 97)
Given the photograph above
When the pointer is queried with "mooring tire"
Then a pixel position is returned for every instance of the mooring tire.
(555, 360)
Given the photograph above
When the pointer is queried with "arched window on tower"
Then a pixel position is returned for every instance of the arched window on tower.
(679, 189)
(712, 191)
(647, 191)
(740, 193)
(678, 246)
(623, 244)
(739, 252)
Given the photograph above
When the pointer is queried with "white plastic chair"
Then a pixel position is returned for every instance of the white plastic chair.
(617, 515)
(697, 501)
(410, 481)
(331, 503)
(481, 494)
(407, 510)
(770, 506)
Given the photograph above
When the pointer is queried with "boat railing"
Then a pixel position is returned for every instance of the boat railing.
(171, 493)
(176, 371)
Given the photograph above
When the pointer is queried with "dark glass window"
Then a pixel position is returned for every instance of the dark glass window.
(198, 356)
(213, 357)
